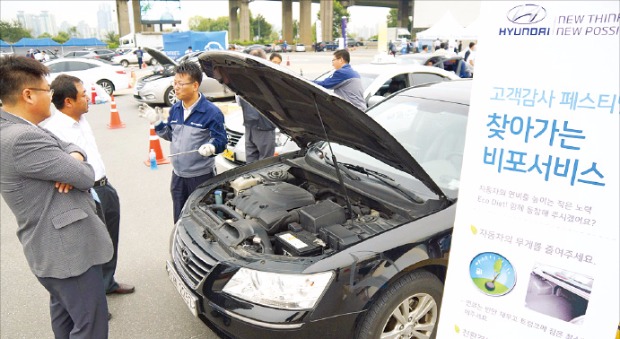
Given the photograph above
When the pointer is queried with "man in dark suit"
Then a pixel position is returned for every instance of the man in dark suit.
(45, 182)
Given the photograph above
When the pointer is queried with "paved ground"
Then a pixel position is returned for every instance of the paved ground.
(155, 310)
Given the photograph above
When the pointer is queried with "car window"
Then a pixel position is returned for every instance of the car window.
(78, 66)
(426, 78)
(58, 67)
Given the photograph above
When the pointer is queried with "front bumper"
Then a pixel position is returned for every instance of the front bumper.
(200, 277)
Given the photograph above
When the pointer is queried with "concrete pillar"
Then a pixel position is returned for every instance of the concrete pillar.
(305, 22)
(137, 23)
(122, 16)
(244, 21)
(403, 14)
(327, 19)
(233, 24)
(287, 21)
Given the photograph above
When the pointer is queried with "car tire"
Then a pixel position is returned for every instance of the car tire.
(107, 86)
(419, 290)
(170, 97)
(124, 63)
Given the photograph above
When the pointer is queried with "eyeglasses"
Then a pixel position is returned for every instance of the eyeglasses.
(50, 91)
(180, 84)
(334, 59)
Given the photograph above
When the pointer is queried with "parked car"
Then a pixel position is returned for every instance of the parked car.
(300, 48)
(111, 77)
(454, 64)
(354, 43)
(156, 88)
(266, 48)
(379, 81)
(105, 54)
(129, 57)
(81, 54)
(288, 252)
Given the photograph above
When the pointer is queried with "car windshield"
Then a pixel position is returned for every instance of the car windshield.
(433, 132)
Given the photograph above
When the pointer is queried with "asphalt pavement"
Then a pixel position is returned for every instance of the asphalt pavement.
(155, 310)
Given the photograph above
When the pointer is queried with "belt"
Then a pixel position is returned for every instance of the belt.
(101, 182)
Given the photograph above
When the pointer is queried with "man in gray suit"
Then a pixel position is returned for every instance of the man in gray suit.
(45, 181)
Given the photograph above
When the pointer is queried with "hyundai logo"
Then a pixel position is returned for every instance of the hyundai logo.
(185, 255)
(526, 14)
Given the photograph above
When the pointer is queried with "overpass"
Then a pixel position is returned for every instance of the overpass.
(239, 17)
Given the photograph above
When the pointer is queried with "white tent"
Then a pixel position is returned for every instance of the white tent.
(472, 31)
(446, 28)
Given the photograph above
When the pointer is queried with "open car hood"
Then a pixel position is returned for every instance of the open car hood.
(300, 109)
(160, 56)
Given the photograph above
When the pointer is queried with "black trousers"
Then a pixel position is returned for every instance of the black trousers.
(78, 306)
(181, 188)
(111, 208)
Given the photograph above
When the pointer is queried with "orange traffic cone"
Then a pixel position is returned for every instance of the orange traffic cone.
(115, 119)
(93, 94)
(155, 146)
(288, 61)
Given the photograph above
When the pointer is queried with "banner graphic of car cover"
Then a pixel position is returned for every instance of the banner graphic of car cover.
(535, 249)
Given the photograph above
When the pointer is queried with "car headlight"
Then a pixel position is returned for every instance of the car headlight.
(286, 291)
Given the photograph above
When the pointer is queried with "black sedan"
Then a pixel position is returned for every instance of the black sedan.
(347, 237)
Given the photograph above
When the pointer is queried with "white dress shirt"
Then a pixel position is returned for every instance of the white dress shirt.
(79, 133)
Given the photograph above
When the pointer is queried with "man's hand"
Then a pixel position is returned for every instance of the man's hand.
(206, 150)
(63, 187)
(154, 116)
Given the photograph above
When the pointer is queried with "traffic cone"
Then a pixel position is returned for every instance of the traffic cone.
(155, 146)
(288, 61)
(93, 94)
(115, 119)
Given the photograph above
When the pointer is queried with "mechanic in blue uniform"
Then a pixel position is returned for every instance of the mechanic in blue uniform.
(194, 124)
(345, 81)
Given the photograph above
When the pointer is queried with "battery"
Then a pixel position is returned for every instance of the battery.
(298, 244)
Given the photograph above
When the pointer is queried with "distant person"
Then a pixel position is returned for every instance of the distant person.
(276, 58)
(188, 50)
(194, 125)
(436, 44)
(284, 47)
(345, 81)
(470, 57)
(139, 53)
(424, 49)
(392, 48)
(260, 133)
(46, 183)
(70, 124)
(44, 57)
(460, 47)
(416, 46)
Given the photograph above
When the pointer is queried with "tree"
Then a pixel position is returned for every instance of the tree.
(13, 31)
(44, 35)
(111, 39)
(260, 27)
(73, 32)
(202, 24)
(61, 37)
(392, 18)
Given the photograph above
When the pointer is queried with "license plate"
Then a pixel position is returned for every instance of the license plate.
(228, 154)
(189, 298)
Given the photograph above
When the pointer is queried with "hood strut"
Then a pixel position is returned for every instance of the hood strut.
(334, 160)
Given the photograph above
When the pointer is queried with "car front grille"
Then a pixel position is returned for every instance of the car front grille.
(192, 267)
(233, 137)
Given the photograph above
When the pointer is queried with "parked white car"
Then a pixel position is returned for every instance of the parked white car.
(380, 80)
(156, 88)
(128, 57)
(112, 77)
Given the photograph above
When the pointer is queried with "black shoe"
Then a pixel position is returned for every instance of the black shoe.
(109, 316)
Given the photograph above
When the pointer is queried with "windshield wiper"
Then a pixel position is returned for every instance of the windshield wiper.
(384, 179)
(344, 168)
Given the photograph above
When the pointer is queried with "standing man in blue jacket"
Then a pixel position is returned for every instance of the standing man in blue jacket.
(195, 125)
(345, 81)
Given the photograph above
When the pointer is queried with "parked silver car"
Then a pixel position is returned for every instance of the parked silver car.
(157, 88)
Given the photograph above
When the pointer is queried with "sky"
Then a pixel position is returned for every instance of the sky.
(87, 10)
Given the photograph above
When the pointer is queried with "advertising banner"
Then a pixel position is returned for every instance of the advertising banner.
(176, 43)
(535, 249)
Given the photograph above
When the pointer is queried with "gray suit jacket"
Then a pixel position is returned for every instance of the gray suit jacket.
(60, 232)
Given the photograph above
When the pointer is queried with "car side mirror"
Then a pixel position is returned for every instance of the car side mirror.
(375, 99)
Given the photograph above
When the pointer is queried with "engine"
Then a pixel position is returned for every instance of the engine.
(273, 212)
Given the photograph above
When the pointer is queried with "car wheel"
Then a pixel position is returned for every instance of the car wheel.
(153, 62)
(409, 308)
(170, 97)
(124, 63)
(107, 86)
